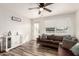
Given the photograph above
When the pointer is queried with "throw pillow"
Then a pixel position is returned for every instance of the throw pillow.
(44, 36)
(67, 37)
(50, 37)
(75, 49)
(74, 39)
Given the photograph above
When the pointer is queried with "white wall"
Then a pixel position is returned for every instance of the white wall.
(77, 24)
(6, 24)
(58, 21)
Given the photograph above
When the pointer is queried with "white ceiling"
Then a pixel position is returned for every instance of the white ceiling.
(57, 8)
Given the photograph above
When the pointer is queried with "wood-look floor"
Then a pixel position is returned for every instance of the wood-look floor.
(31, 49)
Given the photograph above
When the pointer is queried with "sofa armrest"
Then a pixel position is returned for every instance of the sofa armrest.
(38, 39)
(63, 51)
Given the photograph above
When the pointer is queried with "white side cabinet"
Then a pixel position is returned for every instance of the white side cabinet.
(9, 42)
(12, 42)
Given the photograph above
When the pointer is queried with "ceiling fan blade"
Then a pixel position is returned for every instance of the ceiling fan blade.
(47, 9)
(34, 8)
(46, 4)
(39, 12)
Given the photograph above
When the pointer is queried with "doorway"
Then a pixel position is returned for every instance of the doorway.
(36, 30)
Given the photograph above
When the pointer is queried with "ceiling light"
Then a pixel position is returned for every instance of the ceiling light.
(41, 9)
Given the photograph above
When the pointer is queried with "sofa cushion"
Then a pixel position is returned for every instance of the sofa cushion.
(58, 38)
(56, 42)
(50, 42)
(50, 37)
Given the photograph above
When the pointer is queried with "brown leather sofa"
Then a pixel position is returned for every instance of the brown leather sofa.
(55, 41)
(49, 40)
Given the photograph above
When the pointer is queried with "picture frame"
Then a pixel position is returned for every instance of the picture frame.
(16, 18)
(52, 29)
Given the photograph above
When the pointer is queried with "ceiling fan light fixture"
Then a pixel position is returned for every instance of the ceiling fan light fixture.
(41, 9)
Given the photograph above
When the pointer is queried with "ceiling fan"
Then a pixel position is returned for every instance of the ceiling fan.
(42, 6)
